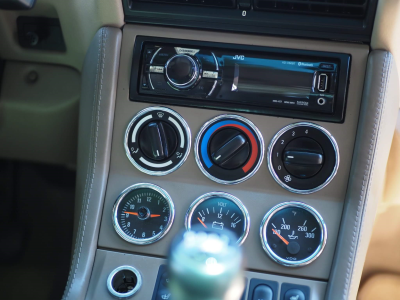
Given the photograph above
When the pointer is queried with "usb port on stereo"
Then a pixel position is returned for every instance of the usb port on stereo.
(322, 82)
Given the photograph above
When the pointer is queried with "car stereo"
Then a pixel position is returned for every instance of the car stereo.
(272, 81)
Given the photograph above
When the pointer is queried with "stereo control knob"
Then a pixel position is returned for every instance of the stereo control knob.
(229, 149)
(182, 71)
(303, 157)
(158, 140)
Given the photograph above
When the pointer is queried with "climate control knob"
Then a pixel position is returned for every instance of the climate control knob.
(303, 157)
(229, 149)
(157, 141)
(182, 71)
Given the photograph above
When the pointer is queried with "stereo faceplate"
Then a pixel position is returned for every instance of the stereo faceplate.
(271, 81)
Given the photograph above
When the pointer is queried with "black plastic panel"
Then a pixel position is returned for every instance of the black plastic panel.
(40, 33)
(137, 93)
(321, 25)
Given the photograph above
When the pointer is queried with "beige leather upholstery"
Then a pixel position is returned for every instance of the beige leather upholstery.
(99, 81)
(384, 248)
(386, 32)
(375, 131)
(381, 287)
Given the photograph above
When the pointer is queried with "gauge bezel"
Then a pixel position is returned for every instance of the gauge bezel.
(234, 117)
(187, 134)
(155, 238)
(205, 197)
(276, 138)
(271, 253)
(130, 293)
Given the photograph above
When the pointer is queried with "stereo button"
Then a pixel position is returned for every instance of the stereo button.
(182, 71)
(210, 74)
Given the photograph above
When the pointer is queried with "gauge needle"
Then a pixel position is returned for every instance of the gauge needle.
(131, 213)
(202, 222)
(135, 214)
(281, 237)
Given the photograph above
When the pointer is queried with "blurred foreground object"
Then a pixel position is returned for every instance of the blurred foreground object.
(204, 265)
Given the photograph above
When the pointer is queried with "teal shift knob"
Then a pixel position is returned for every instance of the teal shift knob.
(204, 265)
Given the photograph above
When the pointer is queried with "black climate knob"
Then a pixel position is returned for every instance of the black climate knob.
(303, 157)
(229, 149)
(158, 140)
(182, 71)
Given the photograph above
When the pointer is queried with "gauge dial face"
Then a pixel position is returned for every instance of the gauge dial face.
(293, 234)
(143, 214)
(219, 211)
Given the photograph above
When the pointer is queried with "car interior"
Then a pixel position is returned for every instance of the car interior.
(199, 149)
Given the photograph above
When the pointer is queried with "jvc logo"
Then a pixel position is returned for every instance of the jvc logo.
(238, 57)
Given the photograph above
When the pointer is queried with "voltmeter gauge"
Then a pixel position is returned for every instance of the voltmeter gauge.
(293, 234)
(143, 214)
(219, 211)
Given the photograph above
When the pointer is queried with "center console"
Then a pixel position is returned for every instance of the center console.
(203, 134)
(258, 136)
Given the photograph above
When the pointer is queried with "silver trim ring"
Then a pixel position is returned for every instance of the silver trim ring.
(271, 253)
(234, 117)
(276, 138)
(155, 238)
(186, 132)
(230, 197)
(192, 80)
(130, 293)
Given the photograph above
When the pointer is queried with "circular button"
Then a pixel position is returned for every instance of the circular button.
(182, 71)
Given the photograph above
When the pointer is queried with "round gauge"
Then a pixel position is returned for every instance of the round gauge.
(219, 211)
(293, 234)
(143, 214)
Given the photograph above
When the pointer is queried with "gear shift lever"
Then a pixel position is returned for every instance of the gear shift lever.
(205, 265)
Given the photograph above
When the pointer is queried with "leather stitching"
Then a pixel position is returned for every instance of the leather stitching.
(383, 91)
(91, 163)
(371, 153)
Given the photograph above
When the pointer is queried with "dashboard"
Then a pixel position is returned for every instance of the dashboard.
(267, 121)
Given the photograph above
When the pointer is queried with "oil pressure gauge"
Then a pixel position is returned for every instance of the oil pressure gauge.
(293, 234)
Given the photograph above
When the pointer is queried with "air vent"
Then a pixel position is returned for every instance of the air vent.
(217, 3)
(343, 8)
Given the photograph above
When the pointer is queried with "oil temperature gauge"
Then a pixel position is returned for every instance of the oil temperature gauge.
(143, 214)
(293, 234)
(219, 211)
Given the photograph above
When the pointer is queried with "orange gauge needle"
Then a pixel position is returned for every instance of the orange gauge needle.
(135, 214)
(281, 237)
(202, 222)
(131, 213)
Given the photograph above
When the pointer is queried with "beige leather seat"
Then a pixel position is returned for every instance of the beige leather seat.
(380, 287)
